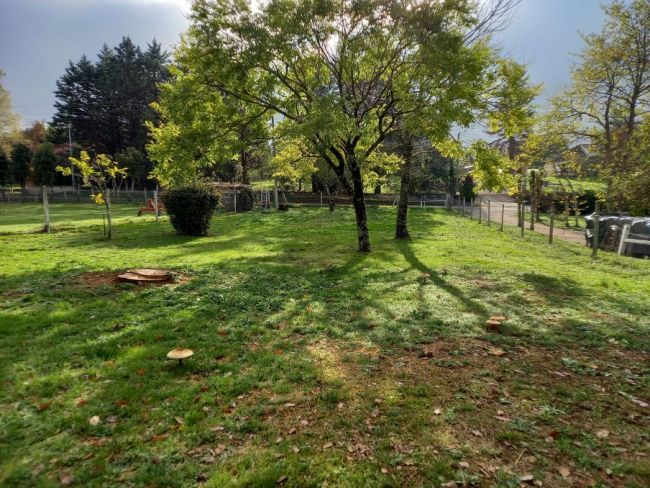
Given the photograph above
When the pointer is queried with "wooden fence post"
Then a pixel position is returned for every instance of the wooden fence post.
(550, 230)
(594, 241)
(46, 209)
(488, 217)
(480, 208)
(471, 209)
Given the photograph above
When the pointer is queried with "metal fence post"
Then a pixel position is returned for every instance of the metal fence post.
(234, 196)
(594, 241)
(550, 230)
(321, 198)
(471, 209)
(480, 210)
(463, 206)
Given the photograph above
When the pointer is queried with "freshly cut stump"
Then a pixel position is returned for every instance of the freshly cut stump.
(498, 318)
(145, 275)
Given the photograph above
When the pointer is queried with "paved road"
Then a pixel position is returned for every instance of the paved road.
(501, 201)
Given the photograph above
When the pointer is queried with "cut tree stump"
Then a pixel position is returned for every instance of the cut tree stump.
(492, 325)
(145, 275)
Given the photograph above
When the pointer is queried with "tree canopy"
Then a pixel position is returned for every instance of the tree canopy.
(340, 74)
(609, 98)
(106, 103)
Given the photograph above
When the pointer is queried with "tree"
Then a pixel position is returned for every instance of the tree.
(340, 74)
(34, 135)
(194, 138)
(44, 165)
(609, 94)
(101, 174)
(8, 119)
(21, 157)
(510, 117)
(44, 174)
(107, 103)
(136, 164)
(5, 168)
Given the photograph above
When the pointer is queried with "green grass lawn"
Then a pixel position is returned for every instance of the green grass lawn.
(29, 217)
(316, 365)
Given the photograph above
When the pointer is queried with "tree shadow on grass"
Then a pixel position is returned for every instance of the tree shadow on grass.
(470, 305)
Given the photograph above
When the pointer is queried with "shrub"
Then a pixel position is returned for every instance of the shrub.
(190, 208)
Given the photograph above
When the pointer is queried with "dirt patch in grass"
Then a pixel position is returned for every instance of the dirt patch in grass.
(93, 279)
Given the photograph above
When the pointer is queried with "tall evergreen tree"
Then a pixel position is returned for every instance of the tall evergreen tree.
(20, 159)
(77, 105)
(107, 103)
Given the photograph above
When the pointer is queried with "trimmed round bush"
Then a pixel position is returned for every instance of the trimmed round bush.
(190, 208)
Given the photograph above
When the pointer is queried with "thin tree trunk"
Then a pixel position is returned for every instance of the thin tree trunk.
(401, 224)
(108, 214)
(359, 207)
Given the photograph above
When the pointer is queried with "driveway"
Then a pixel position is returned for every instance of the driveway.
(502, 202)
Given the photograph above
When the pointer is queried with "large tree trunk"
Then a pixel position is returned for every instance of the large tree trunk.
(401, 224)
(359, 207)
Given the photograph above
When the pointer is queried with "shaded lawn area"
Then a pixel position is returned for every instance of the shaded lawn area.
(315, 364)
(28, 217)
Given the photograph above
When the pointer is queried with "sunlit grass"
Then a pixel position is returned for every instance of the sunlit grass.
(289, 325)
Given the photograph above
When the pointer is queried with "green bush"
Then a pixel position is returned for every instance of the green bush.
(190, 208)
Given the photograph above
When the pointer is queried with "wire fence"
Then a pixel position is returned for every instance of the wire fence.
(65, 195)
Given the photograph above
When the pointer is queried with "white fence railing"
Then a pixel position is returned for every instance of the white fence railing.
(626, 239)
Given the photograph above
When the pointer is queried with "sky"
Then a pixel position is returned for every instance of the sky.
(38, 37)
